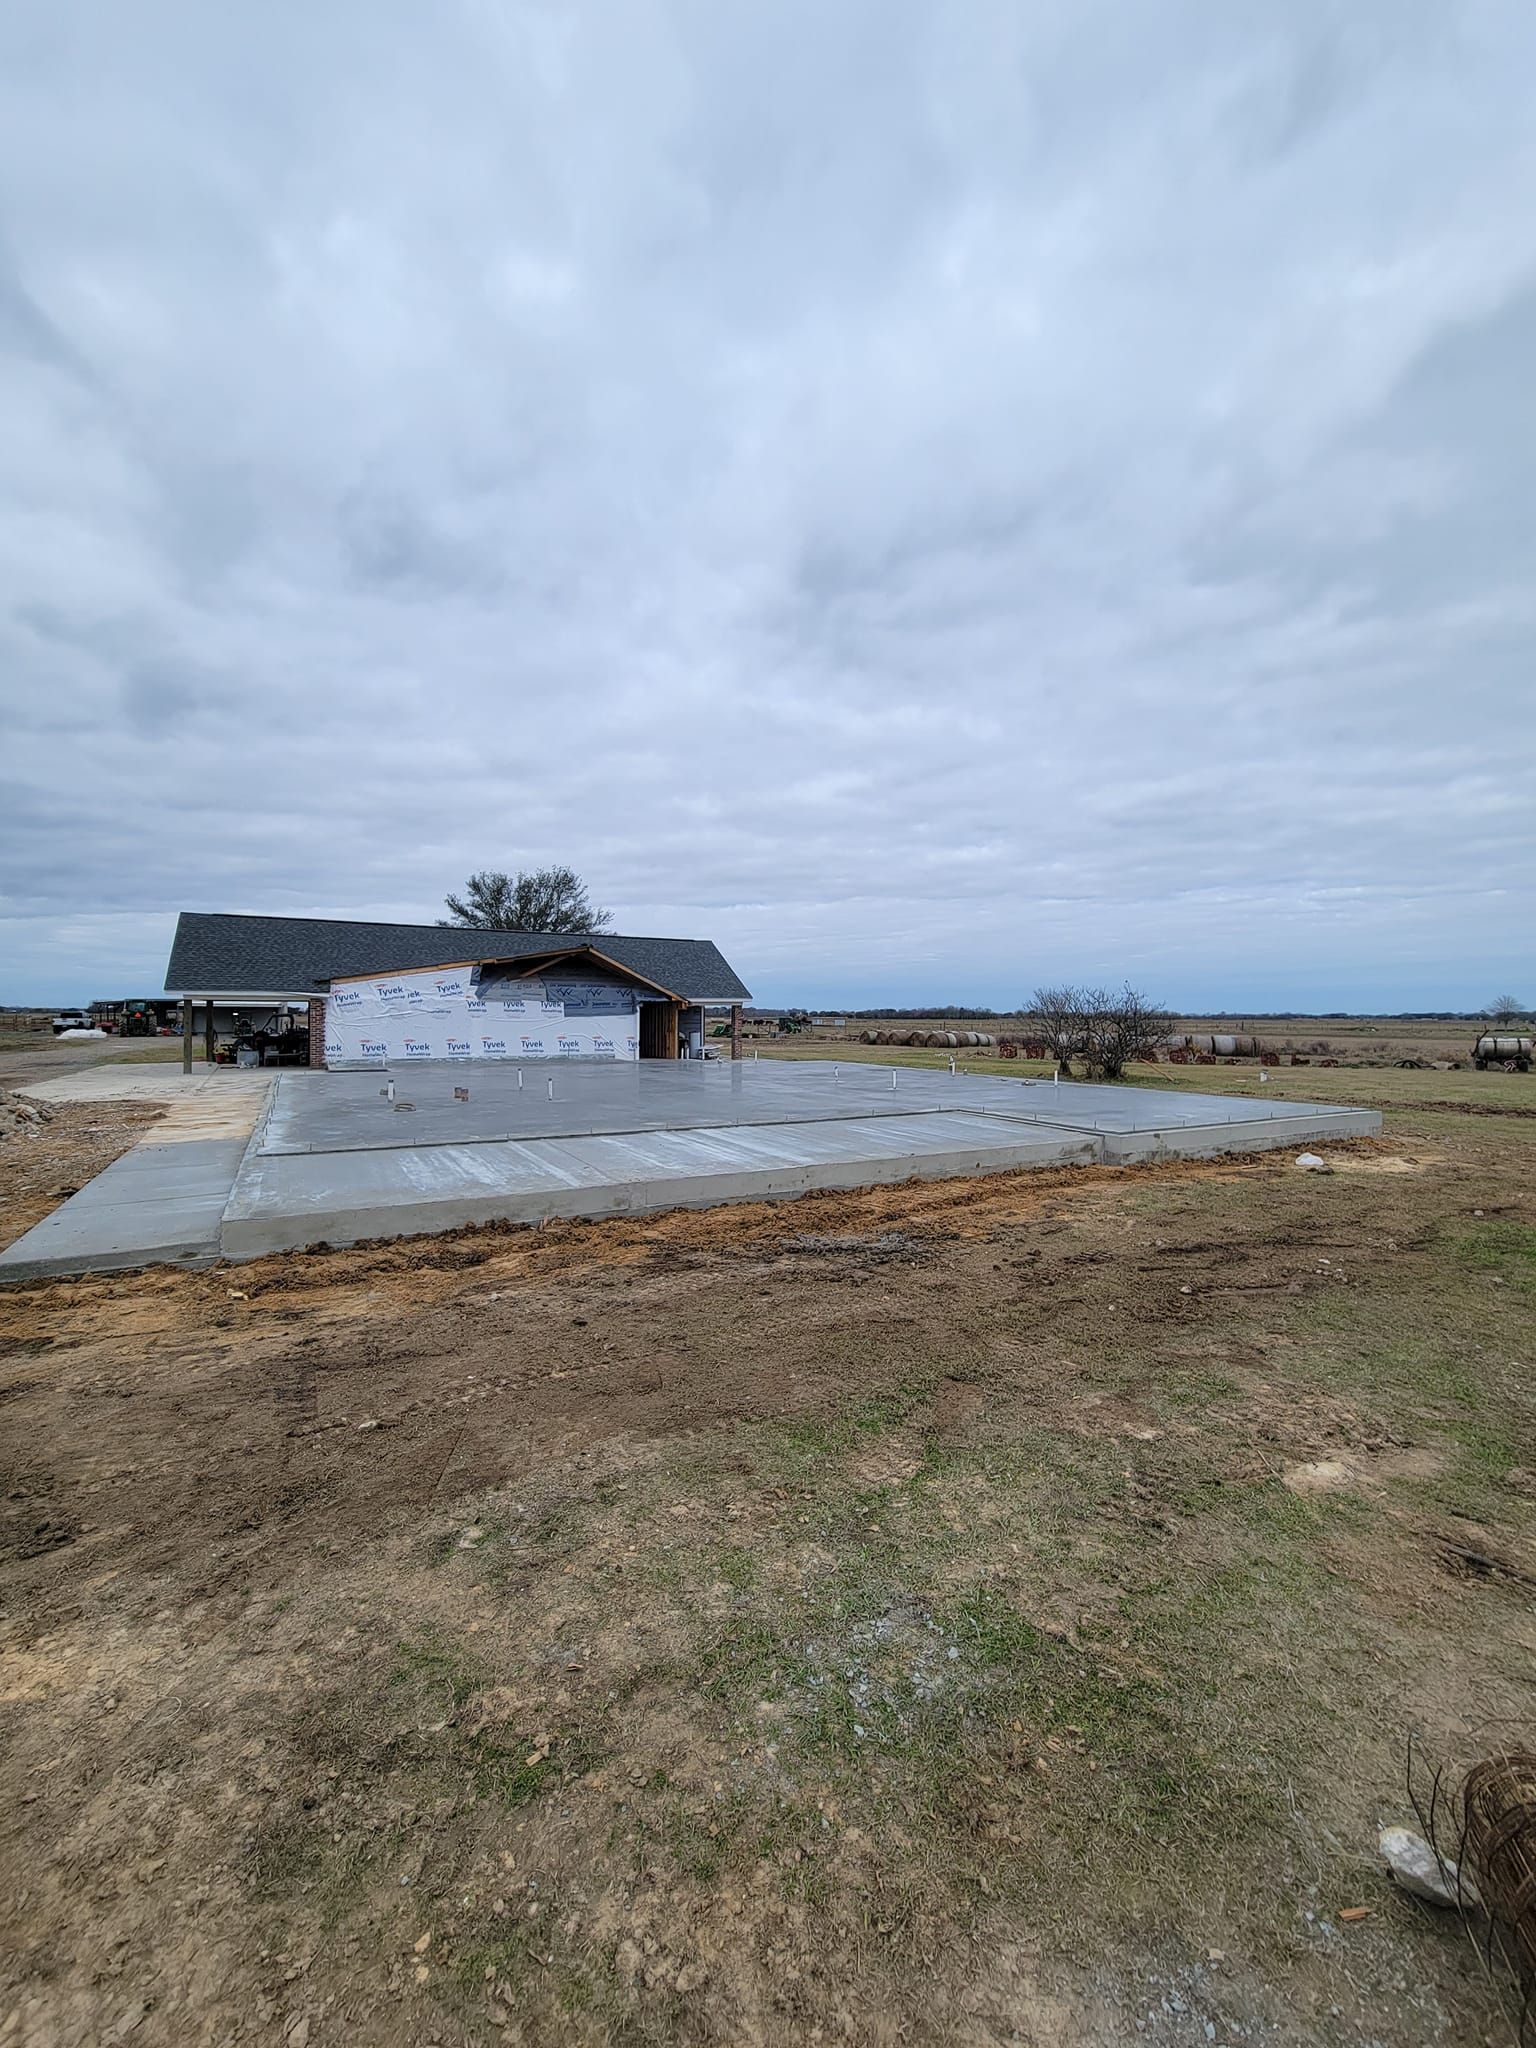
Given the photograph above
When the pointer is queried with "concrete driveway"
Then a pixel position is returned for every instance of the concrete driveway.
(22, 1065)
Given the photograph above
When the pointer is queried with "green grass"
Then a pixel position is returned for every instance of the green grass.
(1505, 1248)
(435, 1669)
(508, 1766)
(904, 1660)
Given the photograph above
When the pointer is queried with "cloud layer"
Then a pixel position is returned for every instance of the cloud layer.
(934, 497)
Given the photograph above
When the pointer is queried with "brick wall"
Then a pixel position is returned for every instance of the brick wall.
(317, 1031)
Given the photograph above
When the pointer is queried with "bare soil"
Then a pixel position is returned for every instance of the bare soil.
(43, 1163)
(990, 1611)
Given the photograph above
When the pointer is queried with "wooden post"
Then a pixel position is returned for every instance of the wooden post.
(209, 1036)
(735, 1031)
(186, 1034)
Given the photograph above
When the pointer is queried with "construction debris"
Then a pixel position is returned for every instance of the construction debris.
(21, 1117)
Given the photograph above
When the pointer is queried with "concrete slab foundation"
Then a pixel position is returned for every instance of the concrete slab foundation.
(157, 1205)
(331, 1112)
(334, 1160)
(289, 1200)
(162, 1202)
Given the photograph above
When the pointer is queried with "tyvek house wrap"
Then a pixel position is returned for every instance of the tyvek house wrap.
(434, 1014)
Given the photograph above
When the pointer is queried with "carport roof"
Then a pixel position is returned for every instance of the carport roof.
(233, 954)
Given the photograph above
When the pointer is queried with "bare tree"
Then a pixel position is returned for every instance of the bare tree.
(534, 900)
(1505, 1009)
(1055, 1015)
(1119, 1028)
(1104, 1029)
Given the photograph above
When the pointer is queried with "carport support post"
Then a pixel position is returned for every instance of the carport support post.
(186, 1034)
(735, 1031)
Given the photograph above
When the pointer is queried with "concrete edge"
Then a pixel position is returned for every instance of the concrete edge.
(253, 1237)
(192, 1255)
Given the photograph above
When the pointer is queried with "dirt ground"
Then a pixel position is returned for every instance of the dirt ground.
(982, 1612)
(45, 1161)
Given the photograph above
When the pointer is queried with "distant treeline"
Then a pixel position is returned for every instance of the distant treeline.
(971, 1012)
(961, 1012)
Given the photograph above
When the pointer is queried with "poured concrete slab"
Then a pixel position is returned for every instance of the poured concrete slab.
(162, 1202)
(332, 1160)
(285, 1200)
(335, 1161)
(157, 1205)
(330, 1112)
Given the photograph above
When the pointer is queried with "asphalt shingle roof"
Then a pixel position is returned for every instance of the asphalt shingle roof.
(221, 953)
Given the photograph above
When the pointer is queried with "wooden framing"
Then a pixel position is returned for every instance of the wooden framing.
(540, 963)
(658, 1030)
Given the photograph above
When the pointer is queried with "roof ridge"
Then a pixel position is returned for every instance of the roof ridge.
(410, 925)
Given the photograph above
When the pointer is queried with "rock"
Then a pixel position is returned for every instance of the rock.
(18, 1115)
(1417, 1870)
(1309, 1162)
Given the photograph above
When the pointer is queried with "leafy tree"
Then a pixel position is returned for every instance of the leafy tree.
(1505, 1009)
(534, 900)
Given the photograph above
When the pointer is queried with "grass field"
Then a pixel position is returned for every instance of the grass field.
(988, 1611)
(1360, 1041)
(1370, 1087)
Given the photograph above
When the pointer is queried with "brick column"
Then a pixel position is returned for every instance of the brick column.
(317, 1031)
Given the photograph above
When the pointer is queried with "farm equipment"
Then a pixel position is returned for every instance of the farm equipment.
(1507, 1051)
(137, 1020)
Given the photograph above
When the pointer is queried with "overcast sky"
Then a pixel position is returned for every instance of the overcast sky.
(934, 497)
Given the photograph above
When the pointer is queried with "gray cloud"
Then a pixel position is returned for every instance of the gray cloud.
(936, 499)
